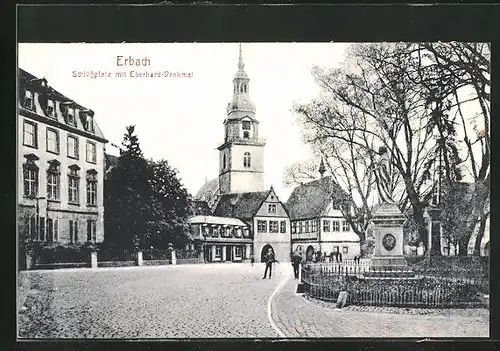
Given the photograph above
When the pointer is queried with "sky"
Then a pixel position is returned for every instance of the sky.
(180, 119)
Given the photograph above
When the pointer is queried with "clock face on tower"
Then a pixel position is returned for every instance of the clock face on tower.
(389, 241)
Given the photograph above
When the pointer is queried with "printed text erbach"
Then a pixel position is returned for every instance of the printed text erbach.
(131, 61)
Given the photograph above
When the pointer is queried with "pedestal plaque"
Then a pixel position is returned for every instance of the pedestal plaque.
(388, 228)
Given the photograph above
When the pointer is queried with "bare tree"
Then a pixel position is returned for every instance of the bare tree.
(372, 101)
(457, 78)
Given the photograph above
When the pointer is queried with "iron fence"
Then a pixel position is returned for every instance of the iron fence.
(399, 286)
(61, 255)
(116, 255)
(157, 255)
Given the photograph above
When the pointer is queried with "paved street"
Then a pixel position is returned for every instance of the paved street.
(224, 300)
(206, 301)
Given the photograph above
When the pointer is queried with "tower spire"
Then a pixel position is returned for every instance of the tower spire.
(241, 65)
(322, 168)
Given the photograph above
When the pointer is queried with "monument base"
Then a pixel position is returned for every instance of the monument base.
(388, 261)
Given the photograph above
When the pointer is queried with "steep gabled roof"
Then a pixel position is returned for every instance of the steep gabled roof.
(240, 205)
(311, 199)
(211, 185)
(201, 208)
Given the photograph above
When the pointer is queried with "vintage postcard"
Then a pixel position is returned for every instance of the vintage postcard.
(253, 190)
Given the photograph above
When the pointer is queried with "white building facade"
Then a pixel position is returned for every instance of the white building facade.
(60, 166)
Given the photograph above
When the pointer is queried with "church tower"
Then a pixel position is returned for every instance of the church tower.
(241, 155)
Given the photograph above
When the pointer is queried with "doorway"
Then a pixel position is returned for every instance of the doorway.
(264, 251)
(229, 253)
(309, 253)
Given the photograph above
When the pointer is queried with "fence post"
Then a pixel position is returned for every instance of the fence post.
(93, 259)
(300, 272)
(139, 258)
(29, 260)
(174, 259)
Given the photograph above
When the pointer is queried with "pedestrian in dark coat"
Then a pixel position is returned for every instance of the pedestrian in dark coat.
(340, 257)
(252, 260)
(296, 260)
(269, 259)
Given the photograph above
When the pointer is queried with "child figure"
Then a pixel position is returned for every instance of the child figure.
(252, 260)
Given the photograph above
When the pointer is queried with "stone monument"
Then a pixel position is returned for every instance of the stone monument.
(387, 219)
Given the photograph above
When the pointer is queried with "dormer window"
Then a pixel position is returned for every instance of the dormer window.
(70, 114)
(89, 123)
(51, 108)
(28, 100)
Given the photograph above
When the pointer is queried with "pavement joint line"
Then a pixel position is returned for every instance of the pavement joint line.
(269, 302)
(104, 269)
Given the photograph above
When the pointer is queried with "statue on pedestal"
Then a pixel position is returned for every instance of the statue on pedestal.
(383, 176)
(387, 221)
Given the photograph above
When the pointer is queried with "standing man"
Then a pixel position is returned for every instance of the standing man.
(296, 260)
(269, 260)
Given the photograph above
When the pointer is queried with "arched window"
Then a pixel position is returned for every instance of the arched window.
(246, 129)
(247, 160)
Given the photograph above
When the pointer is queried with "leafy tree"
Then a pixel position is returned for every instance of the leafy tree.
(457, 205)
(172, 204)
(146, 204)
(127, 207)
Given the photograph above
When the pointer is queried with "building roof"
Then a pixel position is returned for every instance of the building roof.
(211, 185)
(110, 161)
(201, 208)
(311, 199)
(28, 80)
(216, 220)
(241, 205)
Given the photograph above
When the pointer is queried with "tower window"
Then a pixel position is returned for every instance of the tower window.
(224, 161)
(247, 160)
(246, 129)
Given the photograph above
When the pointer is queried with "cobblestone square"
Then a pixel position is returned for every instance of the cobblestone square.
(206, 301)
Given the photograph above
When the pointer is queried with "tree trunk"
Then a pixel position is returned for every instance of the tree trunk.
(418, 209)
(436, 239)
(463, 243)
(479, 236)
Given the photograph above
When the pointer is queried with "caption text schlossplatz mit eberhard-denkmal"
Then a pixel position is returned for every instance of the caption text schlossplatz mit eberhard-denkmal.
(122, 61)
